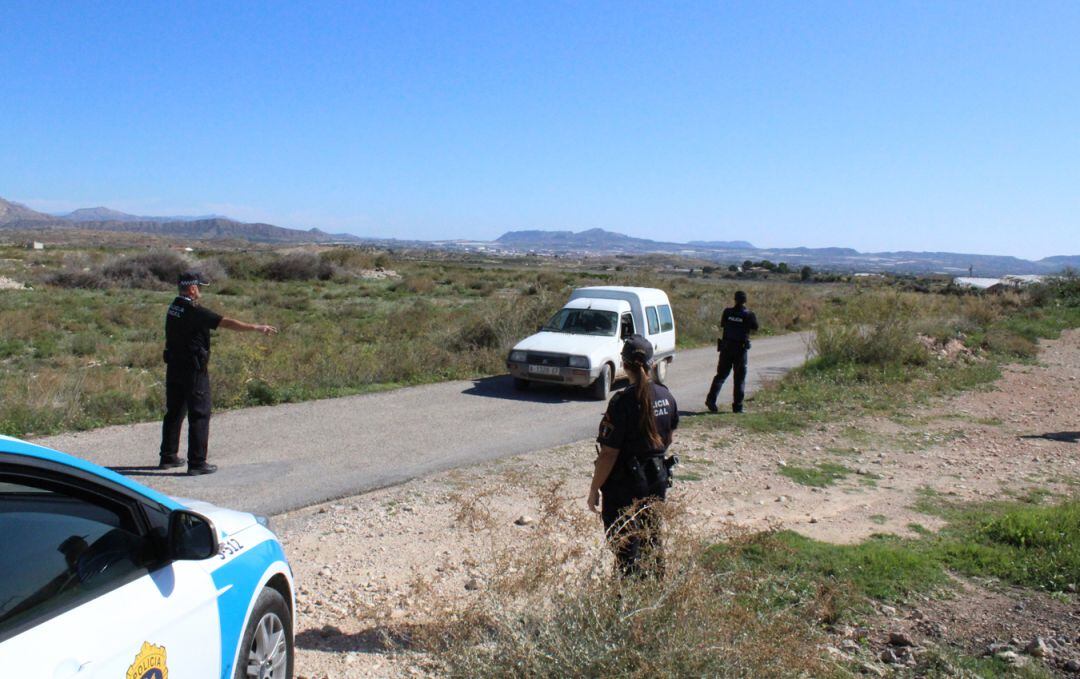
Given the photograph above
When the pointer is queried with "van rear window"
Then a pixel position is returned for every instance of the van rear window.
(654, 325)
(666, 321)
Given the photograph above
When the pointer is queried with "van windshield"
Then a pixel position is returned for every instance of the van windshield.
(584, 322)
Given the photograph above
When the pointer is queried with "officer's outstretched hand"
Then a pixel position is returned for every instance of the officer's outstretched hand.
(594, 500)
(267, 329)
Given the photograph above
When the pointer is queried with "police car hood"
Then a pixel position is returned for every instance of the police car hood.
(227, 521)
(567, 343)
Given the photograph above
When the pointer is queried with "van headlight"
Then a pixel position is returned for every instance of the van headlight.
(579, 361)
(518, 356)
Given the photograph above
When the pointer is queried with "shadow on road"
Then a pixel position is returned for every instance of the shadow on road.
(767, 375)
(502, 386)
(1064, 436)
(146, 471)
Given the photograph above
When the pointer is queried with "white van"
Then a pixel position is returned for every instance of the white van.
(580, 345)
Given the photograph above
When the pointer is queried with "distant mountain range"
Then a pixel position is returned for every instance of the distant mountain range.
(600, 242)
(18, 217)
(593, 242)
(104, 214)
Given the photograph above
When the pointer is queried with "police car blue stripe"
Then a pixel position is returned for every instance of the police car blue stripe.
(17, 447)
(237, 581)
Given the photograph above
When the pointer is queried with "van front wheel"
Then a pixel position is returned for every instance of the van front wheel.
(601, 388)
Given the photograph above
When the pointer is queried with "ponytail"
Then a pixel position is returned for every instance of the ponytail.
(643, 394)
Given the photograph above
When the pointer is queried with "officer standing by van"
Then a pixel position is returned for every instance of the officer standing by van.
(631, 472)
(187, 378)
(737, 323)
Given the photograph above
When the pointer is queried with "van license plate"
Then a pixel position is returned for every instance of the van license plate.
(544, 369)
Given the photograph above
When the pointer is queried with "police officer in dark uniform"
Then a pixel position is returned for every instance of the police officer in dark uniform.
(738, 322)
(187, 379)
(631, 471)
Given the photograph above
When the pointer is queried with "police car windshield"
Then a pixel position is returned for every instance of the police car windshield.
(584, 322)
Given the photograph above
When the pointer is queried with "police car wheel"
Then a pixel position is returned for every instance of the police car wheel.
(267, 648)
(601, 388)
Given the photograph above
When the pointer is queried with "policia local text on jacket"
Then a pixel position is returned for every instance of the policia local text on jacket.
(631, 470)
(737, 323)
(187, 378)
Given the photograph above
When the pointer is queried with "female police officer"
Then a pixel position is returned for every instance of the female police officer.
(630, 471)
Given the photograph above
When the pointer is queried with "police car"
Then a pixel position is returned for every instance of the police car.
(102, 577)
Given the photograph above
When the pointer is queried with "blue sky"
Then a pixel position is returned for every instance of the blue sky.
(880, 126)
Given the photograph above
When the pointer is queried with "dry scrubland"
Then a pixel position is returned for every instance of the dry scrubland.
(905, 505)
(935, 537)
(925, 416)
(82, 348)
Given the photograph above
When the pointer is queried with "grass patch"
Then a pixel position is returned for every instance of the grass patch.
(879, 519)
(821, 475)
(1030, 546)
(944, 663)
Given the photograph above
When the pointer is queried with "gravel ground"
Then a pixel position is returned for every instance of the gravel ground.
(393, 556)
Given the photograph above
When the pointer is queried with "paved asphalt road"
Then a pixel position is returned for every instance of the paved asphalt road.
(278, 458)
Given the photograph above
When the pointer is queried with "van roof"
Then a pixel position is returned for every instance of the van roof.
(621, 292)
(623, 288)
(600, 303)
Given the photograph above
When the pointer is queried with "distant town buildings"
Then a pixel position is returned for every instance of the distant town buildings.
(1010, 282)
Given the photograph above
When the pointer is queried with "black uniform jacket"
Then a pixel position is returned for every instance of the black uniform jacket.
(738, 323)
(187, 334)
(619, 428)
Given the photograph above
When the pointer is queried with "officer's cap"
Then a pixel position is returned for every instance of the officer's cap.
(637, 349)
(191, 278)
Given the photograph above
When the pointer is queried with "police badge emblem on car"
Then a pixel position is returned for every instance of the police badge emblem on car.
(150, 663)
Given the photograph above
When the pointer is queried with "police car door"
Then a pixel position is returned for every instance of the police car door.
(84, 591)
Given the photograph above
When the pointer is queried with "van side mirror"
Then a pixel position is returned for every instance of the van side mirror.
(191, 537)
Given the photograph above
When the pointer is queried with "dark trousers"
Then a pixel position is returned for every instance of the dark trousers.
(187, 392)
(730, 359)
(631, 522)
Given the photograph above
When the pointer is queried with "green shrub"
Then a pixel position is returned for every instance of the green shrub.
(76, 278)
(419, 285)
(11, 347)
(888, 341)
(260, 393)
(84, 344)
(151, 269)
(350, 259)
(244, 265)
(298, 266)
(111, 406)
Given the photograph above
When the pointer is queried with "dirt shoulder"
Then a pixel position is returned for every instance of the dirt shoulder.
(363, 564)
